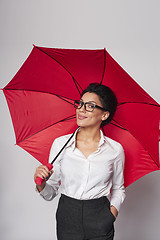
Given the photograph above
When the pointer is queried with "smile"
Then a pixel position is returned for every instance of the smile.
(80, 117)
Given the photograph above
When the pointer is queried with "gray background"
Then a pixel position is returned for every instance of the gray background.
(130, 32)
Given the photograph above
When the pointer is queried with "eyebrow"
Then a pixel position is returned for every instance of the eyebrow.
(88, 101)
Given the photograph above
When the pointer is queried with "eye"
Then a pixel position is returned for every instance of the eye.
(80, 103)
(77, 104)
(90, 105)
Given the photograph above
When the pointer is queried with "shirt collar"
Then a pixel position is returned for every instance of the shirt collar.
(72, 142)
(102, 139)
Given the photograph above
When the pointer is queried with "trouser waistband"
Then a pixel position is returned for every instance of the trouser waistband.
(88, 203)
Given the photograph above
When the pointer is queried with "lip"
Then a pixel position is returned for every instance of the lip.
(81, 117)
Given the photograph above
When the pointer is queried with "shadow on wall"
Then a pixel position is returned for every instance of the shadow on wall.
(139, 216)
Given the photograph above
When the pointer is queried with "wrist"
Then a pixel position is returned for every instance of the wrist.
(114, 211)
(41, 187)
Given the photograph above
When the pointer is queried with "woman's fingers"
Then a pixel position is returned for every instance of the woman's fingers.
(43, 172)
(49, 174)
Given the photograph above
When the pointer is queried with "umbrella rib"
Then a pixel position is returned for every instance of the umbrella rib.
(104, 68)
(133, 136)
(74, 80)
(63, 120)
(119, 104)
(28, 90)
(152, 104)
(64, 99)
(118, 125)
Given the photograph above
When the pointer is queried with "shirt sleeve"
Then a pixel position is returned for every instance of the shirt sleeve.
(50, 191)
(118, 189)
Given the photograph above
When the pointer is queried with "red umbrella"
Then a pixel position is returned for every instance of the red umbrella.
(41, 97)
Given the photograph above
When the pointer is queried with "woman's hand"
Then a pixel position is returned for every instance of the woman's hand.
(43, 172)
(114, 211)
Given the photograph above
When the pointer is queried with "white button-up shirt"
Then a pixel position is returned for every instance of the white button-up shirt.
(100, 174)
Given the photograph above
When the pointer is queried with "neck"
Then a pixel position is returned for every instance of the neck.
(88, 134)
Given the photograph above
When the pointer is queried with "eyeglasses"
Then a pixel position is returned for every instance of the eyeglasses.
(88, 106)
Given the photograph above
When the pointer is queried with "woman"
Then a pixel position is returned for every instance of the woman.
(90, 171)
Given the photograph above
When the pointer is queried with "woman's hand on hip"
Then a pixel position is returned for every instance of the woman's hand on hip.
(114, 211)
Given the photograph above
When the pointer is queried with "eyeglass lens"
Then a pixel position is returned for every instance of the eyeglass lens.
(88, 106)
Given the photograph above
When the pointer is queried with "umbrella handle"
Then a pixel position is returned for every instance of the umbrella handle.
(39, 180)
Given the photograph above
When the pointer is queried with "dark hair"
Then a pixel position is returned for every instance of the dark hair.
(107, 98)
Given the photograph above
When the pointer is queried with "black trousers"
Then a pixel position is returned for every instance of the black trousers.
(84, 219)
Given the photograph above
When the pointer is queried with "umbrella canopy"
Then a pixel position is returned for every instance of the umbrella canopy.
(41, 97)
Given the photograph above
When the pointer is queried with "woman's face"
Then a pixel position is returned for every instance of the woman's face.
(91, 119)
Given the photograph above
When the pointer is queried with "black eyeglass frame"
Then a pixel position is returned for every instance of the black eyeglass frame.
(84, 103)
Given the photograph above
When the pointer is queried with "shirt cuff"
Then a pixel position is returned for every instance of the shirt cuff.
(47, 193)
(116, 202)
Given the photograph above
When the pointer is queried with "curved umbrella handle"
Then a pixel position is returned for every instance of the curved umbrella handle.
(39, 180)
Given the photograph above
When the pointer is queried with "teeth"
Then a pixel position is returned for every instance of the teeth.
(81, 117)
